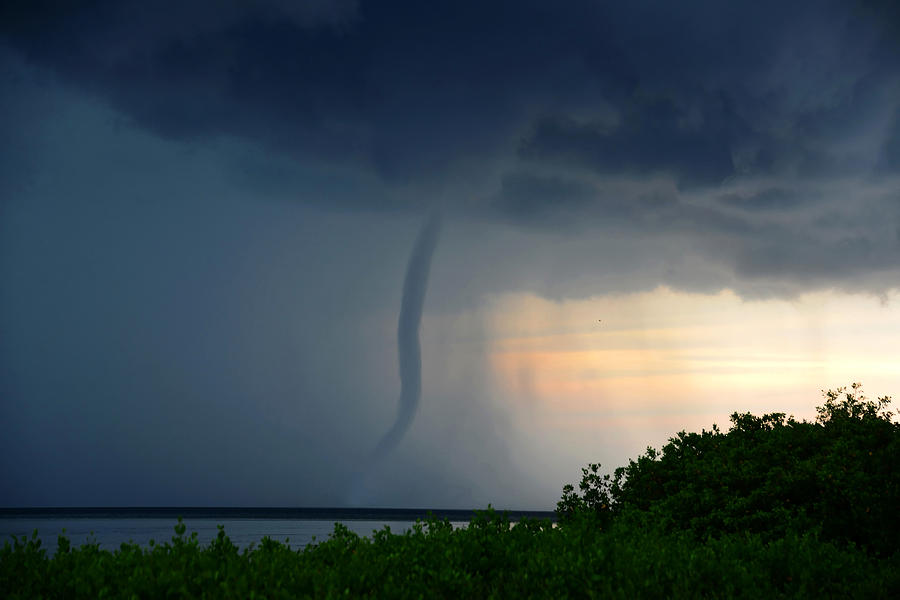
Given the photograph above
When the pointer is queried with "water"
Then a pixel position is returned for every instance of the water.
(111, 533)
(298, 527)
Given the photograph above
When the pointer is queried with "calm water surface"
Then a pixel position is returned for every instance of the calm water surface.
(298, 527)
(112, 532)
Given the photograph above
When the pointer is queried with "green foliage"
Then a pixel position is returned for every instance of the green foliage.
(768, 475)
(491, 558)
(772, 509)
(594, 499)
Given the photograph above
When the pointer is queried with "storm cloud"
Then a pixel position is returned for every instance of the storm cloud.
(486, 106)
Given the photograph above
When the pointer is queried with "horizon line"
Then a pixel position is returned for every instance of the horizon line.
(264, 512)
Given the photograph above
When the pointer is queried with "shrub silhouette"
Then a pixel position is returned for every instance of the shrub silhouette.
(768, 475)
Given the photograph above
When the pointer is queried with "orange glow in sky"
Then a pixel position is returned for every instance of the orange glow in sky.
(662, 361)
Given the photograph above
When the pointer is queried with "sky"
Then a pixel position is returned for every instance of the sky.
(244, 246)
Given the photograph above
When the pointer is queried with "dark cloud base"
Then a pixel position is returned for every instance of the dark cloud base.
(513, 112)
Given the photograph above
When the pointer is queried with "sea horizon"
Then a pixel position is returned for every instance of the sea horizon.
(264, 512)
(298, 527)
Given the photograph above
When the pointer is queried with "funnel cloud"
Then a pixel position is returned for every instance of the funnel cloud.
(409, 353)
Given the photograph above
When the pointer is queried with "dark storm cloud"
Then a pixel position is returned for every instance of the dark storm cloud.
(842, 258)
(576, 205)
(647, 117)
(770, 199)
(889, 160)
(532, 199)
(412, 88)
(655, 135)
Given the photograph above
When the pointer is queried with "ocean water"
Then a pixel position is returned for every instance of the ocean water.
(112, 533)
(297, 527)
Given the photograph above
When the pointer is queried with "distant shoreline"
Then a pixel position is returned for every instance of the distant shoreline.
(299, 513)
